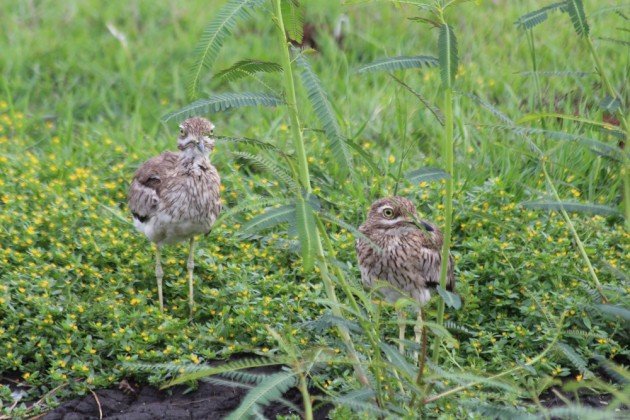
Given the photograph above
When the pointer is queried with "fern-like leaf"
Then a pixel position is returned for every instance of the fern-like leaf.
(579, 412)
(254, 142)
(571, 206)
(426, 174)
(434, 110)
(496, 411)
(255, 203)
(398, 361)
(361, 401)
(214, 36)
(398, 63)
(575, 9)
(246, 68)
(223, 102)
(614, 311)
(448, 57)
(531, 19)
(307, 231)
(271, 217)
(195, 372)
(576, 359)
(268, 165)
(293, 19)
(326, 115)
(266, 392)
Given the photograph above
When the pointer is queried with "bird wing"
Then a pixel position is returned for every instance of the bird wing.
(144, 192)
(430, 254)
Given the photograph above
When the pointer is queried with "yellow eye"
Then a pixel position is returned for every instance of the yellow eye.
(182, 132)
(388, 213)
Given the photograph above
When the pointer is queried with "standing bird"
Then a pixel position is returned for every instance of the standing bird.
(408, 254)
(175, 196)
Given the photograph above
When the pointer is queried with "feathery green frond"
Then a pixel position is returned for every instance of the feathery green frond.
(398, 63)
(426, 174)
(495, 411)
(214, 36)
(271, 217)
(307, 231)
(448, 57)
(575, 358)
(249, 205)
(575, 9)
(579, 412)
(615, 41)
(398, 361)
(223, 102)
(610, 104)
(531, 19)
(360, 401)
(598, 147)
(614, 311)
(453, 326)
(254, 142)
(293, 19)
(465, 378)
(264, 164)
(355, 232)
(325, 114)
(434, 110)
(571, 206)
(556, 73)
(452, 300)
(246, 68)
(266, 392)
(494, 110)
(194, 372)
(328, 320)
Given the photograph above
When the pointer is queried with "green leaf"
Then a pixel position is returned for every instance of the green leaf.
(246, 68)
(266, 392)
(434, 110)
(571, 206)
(268, 165)
(214, 36)
(271, 217)
(398, 63)
(452, 300)
(610, 104)
(325, 114)
(307, 231)
(254, 142)
(293, 19)
(616, 311)
(575, 8)
(399, 361)
(426, 174)
(531, 19)
(254, 203)
(223, 102)
(541, 115)
(448, 58)
(194, 372)
(575, 358)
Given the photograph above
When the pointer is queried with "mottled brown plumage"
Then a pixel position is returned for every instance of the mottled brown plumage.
(176, 195)
(408, 254)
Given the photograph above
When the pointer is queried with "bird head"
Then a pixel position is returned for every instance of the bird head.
(196, 136)
(395, 212)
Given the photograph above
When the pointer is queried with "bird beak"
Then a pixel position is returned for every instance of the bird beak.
(200, 146)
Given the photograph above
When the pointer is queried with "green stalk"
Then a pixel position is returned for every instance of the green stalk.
(625, 168)
(532, 50)
(305, 181)
(306, 397)
(576, 237)
(447, 155)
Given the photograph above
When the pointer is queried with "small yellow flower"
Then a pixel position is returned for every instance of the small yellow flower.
(391, 159)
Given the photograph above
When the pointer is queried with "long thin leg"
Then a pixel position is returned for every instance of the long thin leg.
(417, 329)
(401, 331)
(191, 266)
(421, 336)
(159, 275)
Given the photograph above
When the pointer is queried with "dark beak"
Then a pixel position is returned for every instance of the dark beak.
(201, 147)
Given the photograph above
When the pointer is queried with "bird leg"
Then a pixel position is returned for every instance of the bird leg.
(421, 338)
(401, 330)
(159, 275)
(191, 266)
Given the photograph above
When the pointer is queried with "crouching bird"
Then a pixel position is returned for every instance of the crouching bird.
(408, 255)
(176, 195)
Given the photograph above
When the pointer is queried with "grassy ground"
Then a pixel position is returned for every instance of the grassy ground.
(80, 109)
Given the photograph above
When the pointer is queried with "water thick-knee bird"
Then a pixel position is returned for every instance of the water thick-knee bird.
(408, 254)
(175, 196)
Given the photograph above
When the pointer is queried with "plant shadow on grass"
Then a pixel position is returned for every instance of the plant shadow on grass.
(133, 400)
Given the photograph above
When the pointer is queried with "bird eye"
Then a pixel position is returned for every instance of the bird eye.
(388, 213)
(182, 132)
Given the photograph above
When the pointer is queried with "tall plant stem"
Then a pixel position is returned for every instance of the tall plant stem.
(576, 237)
(305, 181)
(625, 169)
(532, 50)
(306, 397)
(447, 155)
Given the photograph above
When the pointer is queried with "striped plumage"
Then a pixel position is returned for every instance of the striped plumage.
(176, 195)
(408, 255)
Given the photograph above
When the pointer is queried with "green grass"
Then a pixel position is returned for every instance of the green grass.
(79, 110)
